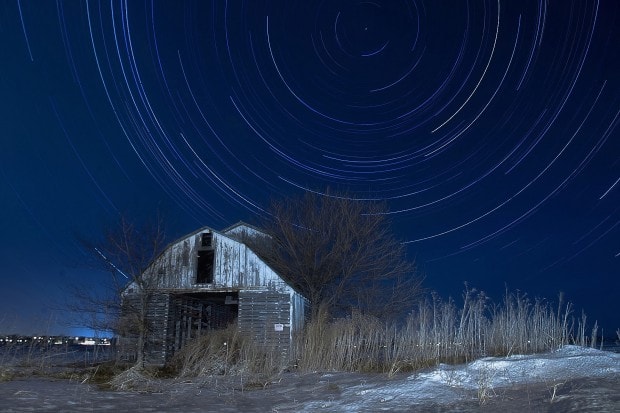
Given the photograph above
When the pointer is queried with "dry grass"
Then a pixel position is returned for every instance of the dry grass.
(64, 361)
(438, 331)
(227, 352)
(134, 378)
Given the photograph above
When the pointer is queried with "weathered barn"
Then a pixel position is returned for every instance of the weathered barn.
(207, 280)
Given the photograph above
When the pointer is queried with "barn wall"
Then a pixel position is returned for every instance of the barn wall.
(159, 325)
(299, 311)
(265, 317)
(269, 317)
(158, 319)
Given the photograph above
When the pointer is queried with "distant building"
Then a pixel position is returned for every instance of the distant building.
(206, 280)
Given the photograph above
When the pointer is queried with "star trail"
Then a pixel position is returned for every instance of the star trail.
(489, 127)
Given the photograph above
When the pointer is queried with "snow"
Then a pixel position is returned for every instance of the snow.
(482, 378)
(569, 379)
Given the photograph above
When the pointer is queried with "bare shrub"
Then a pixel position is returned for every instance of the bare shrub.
(340, 253)
(134, 378)
(127, 250)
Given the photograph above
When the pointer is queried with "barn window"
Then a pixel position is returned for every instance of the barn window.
(204, 270)
(206, 239)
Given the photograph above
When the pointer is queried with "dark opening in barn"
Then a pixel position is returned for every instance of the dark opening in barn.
(204, 269)
(206, 240)
(195, 314)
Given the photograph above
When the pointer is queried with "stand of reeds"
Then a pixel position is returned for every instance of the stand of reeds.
(437, 331)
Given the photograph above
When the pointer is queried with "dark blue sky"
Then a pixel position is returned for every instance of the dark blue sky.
(490, 127)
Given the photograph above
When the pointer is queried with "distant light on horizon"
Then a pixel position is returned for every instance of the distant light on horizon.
(78, 332)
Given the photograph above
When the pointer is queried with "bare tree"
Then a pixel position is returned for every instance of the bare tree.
(126, 250)
(341, 254)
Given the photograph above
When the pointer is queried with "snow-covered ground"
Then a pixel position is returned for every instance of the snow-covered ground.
(483, 380)
(570, 379)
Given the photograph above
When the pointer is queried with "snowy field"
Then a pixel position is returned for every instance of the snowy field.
(572, 379)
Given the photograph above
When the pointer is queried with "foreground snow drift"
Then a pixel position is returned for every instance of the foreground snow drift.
(482, 379)
(572, 379)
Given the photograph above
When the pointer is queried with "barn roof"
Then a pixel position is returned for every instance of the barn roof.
(242, 226)
(234, 233)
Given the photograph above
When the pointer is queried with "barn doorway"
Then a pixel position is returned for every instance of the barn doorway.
(204, 267)
(198, 313)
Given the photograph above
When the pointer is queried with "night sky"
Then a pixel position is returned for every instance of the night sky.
(489, 127)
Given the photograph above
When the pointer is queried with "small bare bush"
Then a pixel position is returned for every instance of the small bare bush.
(134, 378)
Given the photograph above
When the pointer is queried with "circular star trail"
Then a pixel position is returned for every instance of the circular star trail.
(464, 115)
(489, 127)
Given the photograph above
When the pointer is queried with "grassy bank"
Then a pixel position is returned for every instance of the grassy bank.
(436, 331)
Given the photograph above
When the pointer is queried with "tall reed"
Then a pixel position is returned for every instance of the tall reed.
(436, 331)
(439, 331)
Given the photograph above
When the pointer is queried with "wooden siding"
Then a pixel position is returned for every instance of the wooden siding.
(235, 266)
(266, 308)
(268, 317)
(242, 230)
(158, 318)
(264, 316)
(299, 311)
(157, 346)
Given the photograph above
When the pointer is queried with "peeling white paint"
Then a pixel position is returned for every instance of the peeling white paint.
(235, 266)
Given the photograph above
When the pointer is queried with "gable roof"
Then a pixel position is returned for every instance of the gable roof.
(242, 226)
(236, 233)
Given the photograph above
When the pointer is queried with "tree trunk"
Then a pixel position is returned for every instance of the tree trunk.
(140, 349)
